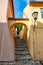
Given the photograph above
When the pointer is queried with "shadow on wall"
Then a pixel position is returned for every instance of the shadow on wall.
(35, 43)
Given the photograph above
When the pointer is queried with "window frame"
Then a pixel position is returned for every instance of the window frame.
(41, 11)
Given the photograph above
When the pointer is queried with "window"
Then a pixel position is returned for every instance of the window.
(42, 13)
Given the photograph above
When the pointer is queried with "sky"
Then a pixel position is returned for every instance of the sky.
(19, 6)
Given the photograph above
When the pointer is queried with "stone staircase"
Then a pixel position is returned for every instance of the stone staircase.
(22, 55)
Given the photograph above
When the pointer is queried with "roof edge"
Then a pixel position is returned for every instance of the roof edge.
(35, 1)
(26, 19)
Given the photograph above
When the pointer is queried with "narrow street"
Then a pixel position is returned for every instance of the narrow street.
(22, 55)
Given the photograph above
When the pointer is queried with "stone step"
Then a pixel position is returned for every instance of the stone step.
(23, 57)
(21, 49)
(18, 40)
(21, 43)
(17, 37)
(7, 63)
(27, 62)
(20, 46)
(22, 52)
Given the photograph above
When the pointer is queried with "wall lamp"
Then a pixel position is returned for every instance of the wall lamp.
(35, 16)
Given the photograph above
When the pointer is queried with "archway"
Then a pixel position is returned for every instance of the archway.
(23, 31)
(20, 44)
(14, 22)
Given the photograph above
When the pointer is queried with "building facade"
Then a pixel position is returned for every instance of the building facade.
(6, 39)
(35, 39)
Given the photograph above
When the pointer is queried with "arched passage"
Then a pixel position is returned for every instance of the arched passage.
(24, 22)
(23, 32)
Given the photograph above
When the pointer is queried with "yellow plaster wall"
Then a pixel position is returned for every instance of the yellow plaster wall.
(20, 22)
(13, 31)
(30, 8)
(25, 34)
(10, 12)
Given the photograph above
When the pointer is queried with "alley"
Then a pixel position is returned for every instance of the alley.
(22, 55)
